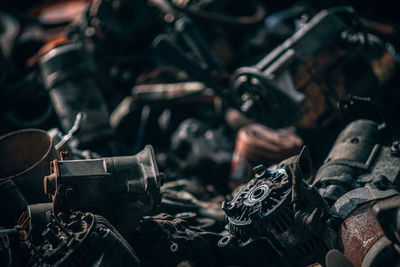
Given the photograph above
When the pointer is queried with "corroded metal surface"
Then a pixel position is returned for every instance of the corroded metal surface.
(359, 232)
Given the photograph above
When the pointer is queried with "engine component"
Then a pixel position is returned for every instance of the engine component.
(300, 81)
(191, 77)
(83, 239)
(359, 232)
(257, 144)
(174, 241)
(357, 158)
(73, 88)
(203, 150)
(12, 204)
(282, 214)
(154, 111)
(38, 215)
(130, 183)
(25, 157)
(361, 238)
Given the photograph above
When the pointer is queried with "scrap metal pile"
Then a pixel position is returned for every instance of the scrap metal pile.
(199, 133)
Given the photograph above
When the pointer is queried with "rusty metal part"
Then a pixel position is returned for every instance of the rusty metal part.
(260, 143)
(361, 237)
(300, 81)
(358, 233)
(25, 157)
(257, 144)
(386, 250)
(121, 188)
(287, 218)
(357, 158)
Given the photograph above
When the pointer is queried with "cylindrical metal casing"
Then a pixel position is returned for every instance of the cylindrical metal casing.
(257, 144)
(25, 159)
(70, 76)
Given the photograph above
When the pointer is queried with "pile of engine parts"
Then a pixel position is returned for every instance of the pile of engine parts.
(199, 133)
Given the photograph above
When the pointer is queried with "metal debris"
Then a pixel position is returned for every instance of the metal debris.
(199, 133)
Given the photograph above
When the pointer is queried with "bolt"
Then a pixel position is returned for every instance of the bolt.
(174, 247)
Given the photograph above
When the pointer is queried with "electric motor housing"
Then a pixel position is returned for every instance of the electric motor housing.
(261, 212)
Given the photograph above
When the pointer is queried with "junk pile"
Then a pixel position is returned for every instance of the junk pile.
(199, 133)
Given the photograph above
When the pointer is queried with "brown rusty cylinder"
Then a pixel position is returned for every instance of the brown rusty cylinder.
(362, 239)
(257, 144)
(12, 204)
(25, 159)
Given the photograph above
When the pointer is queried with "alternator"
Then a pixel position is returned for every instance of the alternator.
(281, 215)
(257, 200)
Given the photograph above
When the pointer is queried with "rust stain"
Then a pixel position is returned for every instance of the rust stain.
(359, 232)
